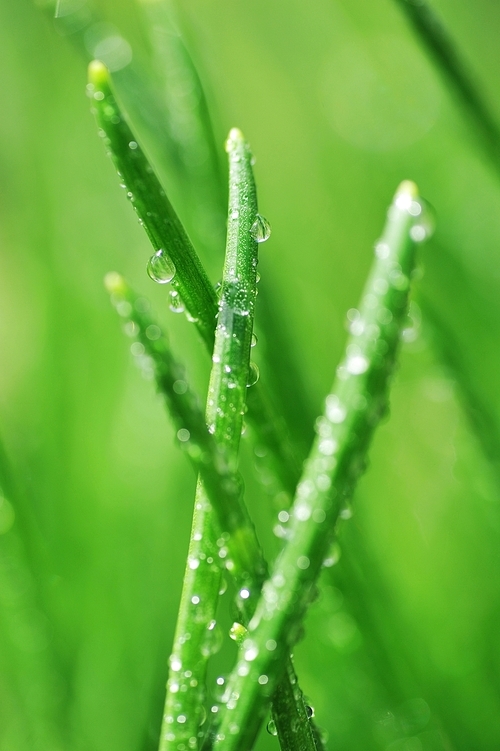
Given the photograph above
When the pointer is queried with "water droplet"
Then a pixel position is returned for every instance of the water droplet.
(303, 562)
(251, 650)
(357, 364)
(260, 229)
(254, 340)
(237, 631)
(335, 411)
(244, 593)
(425, 222)
(153, 332)
(263, 679)
(346, 512)
(137, 349)
(333, 556)
(271, 728)
(132, 145)
(180, 387)
(160, 267)
(195, 600)
(213, 640)
(183, 435)
(253, 375)
(310, 711)
(382, 251)
(176, 305)
(271, 645)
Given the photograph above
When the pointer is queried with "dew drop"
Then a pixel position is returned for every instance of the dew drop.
(132, 145)
(357, 364)
(254, 341)
(160, 267)
(425, 221)
(333, 556)
(237, 632)
(253, 375)
(251, 650)
(176, 305)
(260, 229)
(303, 562)
(153, 332)
(335, 411)
(310, 711)
(271, 728)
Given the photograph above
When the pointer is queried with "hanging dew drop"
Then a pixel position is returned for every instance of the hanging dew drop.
(260, 229)
(161, 268)
(253, 375)
(271, 728)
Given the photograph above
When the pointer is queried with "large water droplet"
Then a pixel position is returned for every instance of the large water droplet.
(253, 375)
(160, 267)
(260, 229)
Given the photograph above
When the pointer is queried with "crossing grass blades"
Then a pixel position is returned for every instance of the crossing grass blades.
(272, 597)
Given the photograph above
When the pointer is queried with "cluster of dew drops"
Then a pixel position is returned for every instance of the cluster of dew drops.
(161, 269)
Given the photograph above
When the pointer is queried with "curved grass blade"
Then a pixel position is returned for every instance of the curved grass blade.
(442, 48)
(353, 409)
(190, 280)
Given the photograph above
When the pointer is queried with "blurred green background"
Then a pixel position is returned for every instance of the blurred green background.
(340, 103)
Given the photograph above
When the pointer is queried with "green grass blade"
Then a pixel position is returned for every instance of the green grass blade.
(224, 415)
(180, 264)
(225, 409)
(442, 48)
(353, 409)
(248, 568)
(190, 280)
(29, 658)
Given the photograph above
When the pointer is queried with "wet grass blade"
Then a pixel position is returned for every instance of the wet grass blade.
(175, 259)
(352, 411)
(180, 262)
(216, 459)
(224, 414)
(440, 45)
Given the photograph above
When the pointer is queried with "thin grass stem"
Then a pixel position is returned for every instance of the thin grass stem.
(352, 411)
(441, 46)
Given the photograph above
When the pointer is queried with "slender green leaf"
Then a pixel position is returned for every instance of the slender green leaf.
(178, 262)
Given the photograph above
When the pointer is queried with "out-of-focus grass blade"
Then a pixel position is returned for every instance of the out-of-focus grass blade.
(441, 46)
